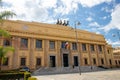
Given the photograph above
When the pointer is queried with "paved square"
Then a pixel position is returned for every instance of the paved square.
(101, 75)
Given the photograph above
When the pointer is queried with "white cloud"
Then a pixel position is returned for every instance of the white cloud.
(91, 3)
(106, 9)
(115, 19)
(114, 44)
(32, 10)
(47, 3)
(105, 17)
(66, 6)
(94, 24)
(47, 10)
(89, 19)
(98, 33)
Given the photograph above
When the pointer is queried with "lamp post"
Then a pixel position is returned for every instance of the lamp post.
(76, 37)
(118, 35)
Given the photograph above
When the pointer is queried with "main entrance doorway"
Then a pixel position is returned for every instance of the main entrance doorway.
(65, 60)
(75, 60)
(52, 61)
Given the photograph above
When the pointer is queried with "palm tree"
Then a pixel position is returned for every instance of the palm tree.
(3, 52)
(5, 14)
(4, 34)
(6, 49)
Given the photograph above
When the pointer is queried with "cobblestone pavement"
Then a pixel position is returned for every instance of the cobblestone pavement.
(101, 75)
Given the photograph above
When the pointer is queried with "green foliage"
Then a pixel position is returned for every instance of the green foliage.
(6, 14)
(4, 33)
(4, 51)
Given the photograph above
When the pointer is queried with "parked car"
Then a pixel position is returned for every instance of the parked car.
(25, 69)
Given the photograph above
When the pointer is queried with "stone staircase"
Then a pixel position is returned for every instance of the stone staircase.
(64, 70)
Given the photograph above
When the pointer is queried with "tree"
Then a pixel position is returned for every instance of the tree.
(4, 34)
(3, 52)
(5, 14)
(4, 49)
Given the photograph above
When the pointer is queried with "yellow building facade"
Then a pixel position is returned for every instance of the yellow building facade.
(52, 45)
(116, 55)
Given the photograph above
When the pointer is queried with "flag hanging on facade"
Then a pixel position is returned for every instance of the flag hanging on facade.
(67, 46)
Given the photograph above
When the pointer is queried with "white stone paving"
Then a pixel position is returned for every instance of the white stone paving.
(101, 75)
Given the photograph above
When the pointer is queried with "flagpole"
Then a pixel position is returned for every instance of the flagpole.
(78, 23)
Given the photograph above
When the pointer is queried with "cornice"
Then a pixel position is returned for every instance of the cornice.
(47, 31)
(53, 26)
(25, 33)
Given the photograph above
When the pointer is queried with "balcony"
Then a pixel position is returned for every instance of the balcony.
(63, 50)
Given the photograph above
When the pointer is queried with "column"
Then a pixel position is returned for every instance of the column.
(59, 59)
(16, 45)
(105, 55)
(46, 57)
(31, 54)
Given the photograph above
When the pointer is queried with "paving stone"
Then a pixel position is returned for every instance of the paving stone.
(100, 75)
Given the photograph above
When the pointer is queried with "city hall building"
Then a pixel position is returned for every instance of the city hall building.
(116, 55)
(53, 45)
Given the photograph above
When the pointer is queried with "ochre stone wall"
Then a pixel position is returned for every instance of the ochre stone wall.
(56, 33)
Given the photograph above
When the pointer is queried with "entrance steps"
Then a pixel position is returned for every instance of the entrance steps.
(63, 70)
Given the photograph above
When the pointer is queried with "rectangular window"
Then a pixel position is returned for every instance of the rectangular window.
(24, 43)
(38, 43)
(92, 47)
(83, 47)
(100, 48)
(23, 62)
(85, 61)
(75, 60)
(119, 61)
(108, 51)
(6, 62)
(38, 61)
(116, 62)
(74, 46)
(102, 61)
(63, 44)
(110, 61)
(52, 44)
(94, 61)
(7, 42)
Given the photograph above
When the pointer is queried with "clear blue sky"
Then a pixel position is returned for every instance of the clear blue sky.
(99, 16)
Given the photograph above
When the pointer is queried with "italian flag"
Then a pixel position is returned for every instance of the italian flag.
(67, 46)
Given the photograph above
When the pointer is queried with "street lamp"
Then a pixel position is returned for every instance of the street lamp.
(77, 23)
(118, 35)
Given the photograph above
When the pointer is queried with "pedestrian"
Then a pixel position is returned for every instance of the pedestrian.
(73, 66)
(91, 67)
